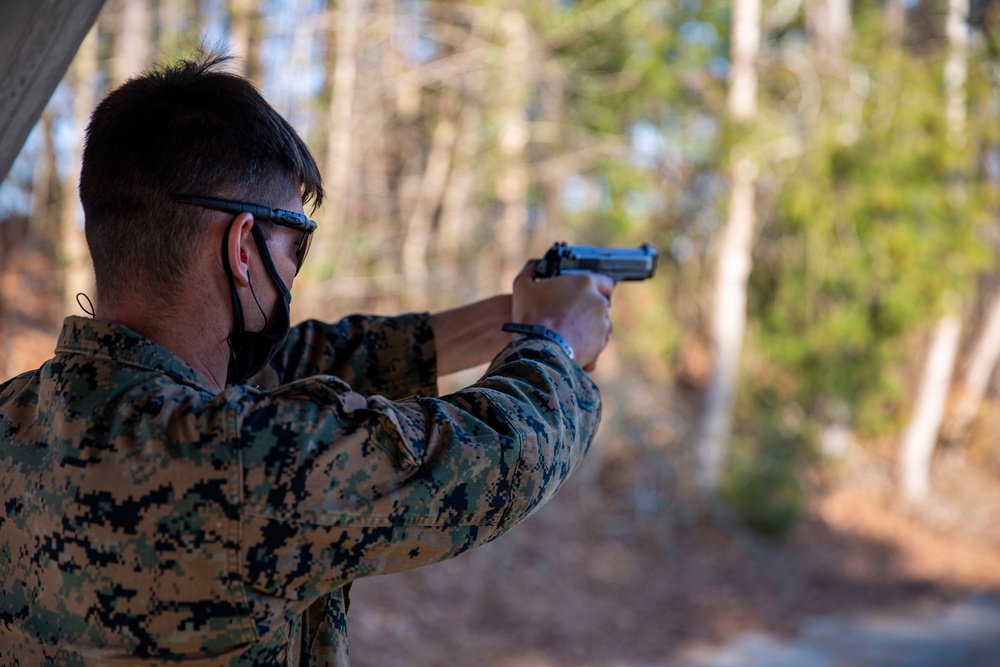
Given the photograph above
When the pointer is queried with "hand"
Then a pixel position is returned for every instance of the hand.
(577, 307)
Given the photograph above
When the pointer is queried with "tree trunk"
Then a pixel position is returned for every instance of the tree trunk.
(377, 105)
(918, 443)
(339, 167)
(552, 113)
(829, 23)
(77, 273)
(433, 181)
(893, 22)
(734, 256)
(510, 237)
(975, 381)
(917, 449)
(172, 26)
(133, 40)
(245, 37)
(46, 189)
(956, 70)
(728, 324)
(457, 220)
(741, 101)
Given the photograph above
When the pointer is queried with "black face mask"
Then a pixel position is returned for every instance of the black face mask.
(251, 351)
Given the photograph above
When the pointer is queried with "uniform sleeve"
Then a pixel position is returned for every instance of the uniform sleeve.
(389, 356)
(374, 486)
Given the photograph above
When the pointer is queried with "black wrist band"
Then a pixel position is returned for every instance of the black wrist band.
(538, 331)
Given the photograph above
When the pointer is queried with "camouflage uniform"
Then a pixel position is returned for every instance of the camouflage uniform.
(148, 519)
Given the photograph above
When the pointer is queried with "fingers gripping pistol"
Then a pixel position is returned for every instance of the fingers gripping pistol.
(616, 263)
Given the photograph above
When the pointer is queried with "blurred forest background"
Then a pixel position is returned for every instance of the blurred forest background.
(801, 408)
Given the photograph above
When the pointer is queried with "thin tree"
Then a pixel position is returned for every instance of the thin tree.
(734, 261)
(514, 89)
(893, 22)
(247, 25)
(343, 36)
(77, 275)
(986, 349)
(829, 23)
(921, 435)
(417, 229)
(917, 448)
(170, 25)
(132, 34)
(976, 378)
(46, 189)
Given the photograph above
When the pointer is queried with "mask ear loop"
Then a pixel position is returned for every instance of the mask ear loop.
(259, 307)
(237, 307)
(87, 309)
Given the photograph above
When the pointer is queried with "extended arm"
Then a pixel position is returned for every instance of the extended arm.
(384, 486)
(470, 335)
(396, 356)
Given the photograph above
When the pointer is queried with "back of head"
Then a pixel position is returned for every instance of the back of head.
(186, 128)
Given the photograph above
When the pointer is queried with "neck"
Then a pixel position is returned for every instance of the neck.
(190, 329)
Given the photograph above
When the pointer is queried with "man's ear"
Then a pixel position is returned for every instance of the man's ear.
(238, 243)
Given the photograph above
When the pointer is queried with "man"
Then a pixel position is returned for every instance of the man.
(190, 480)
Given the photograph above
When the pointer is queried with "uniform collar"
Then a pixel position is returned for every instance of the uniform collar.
(119, 344)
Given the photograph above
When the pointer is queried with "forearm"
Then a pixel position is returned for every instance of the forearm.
(470, 335)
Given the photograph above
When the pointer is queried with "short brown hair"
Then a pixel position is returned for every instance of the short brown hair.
(186, 128)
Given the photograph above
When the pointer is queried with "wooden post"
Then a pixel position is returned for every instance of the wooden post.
(37, 43)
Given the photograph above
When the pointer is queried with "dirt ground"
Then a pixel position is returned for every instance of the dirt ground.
(577, 585)
(625, 568)
(620, 569)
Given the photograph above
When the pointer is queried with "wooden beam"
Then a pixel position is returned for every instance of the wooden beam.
(37, 43)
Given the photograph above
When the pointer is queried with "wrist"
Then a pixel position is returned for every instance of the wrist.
(538, 331)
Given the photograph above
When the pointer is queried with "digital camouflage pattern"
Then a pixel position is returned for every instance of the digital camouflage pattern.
(150, 520)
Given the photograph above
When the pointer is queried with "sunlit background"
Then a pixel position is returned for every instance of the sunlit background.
(800, 408)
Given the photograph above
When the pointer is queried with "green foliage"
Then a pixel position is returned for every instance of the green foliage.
(877, 227)
(761, 485)
(628, 62)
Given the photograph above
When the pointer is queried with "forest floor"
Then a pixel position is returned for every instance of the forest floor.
(626, 568)
(621, 569)
(579, 585)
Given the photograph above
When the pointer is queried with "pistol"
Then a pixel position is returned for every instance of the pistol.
(616, 263)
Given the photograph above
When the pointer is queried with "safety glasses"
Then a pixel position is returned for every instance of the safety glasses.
(278, 216)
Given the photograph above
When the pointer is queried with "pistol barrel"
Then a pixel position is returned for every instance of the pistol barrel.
(617, 263)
